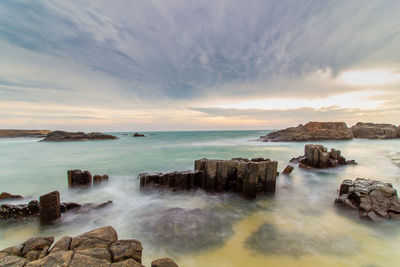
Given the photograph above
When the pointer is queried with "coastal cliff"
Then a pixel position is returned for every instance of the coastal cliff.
(7, 133)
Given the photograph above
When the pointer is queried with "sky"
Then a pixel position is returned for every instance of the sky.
(143, 65)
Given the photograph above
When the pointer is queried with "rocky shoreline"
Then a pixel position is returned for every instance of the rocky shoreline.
(62, 136)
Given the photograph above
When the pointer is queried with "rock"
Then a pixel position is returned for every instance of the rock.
(78, 178)
(126, 249)
(59, 258)
(317, 156)
(62, 245)
(8, 196)
(164, 262)
(19, 212)
(138, 135)
(50, 207)
(98, 253)
(375, 131)
(243, 176)
(373, 199)
(127, 263)
(98, 179)
(80, 260)
(99, 238)
(311, 131)
(37, 243)
(12, 261)
(62, 136)
(288, 169)
(23, 133)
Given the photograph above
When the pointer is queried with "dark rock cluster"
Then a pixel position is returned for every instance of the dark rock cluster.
(372, 199)
(78, 178)
(99, 247)
(8, 196)
(62, 136)
(311, 131)
(138, 135)
(375, 130)
(317, 156)
(243, 176)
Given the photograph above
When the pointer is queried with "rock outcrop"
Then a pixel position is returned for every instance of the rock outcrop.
(61, 136)
(8, 196)
(50, 207)
(83, 179)
(242, 176)
(317, 156)
(8, 133)
(311, 131)
(99, 247)
(375, 131)
(372, 199)
(138, 135)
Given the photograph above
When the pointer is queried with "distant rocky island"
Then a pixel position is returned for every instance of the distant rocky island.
(8, 133)
(62, 136)
(318, 131)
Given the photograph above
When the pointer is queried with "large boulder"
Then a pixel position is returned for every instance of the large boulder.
(372, 199)
(311, 131)
(375, 130)
(50, 207)
(62, 136)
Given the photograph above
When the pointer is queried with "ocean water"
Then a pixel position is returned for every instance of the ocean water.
(299, 226)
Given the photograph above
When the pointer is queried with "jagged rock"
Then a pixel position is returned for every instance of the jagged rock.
(12, 261)
(243, 176)
(99, 238)
(127, 263)
(23, 133)
(164, 262)
(126, 249)
(375, 131)
(288, 169)
(371, 198)
(8, 196)
(98, 253)
(59, 258)
(19, 212)
(50, 207)
(317, 156)
(62, 245)
(78, 178)
(311, 131)
(138, 135)
(80, 260)
(62, 136)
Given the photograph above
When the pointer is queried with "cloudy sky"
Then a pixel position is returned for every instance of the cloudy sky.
(197, 65)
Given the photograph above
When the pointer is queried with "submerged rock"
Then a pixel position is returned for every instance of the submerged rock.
(181, 230)
(375, 130)
(269, 239)
(243, 176)
(372, 199)
(99, 247)
(311, 131)
(317, 156)
(62, 136)
(138, 135)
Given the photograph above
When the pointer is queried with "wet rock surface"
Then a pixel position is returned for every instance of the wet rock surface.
(317, 156)
(372, 199)
(269, 239)
(181, 230)
(84, 179)
(311, 131)
(243, 176)
(62, 136)
(99, 247)
(375, 131)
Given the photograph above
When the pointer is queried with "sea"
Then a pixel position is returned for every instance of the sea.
(298, 226)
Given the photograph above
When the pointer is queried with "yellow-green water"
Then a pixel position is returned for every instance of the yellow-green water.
(299, 226)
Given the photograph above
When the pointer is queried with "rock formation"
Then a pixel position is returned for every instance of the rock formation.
(50, 207)
(138, 135)
(8, 196)
(372, 199)
(164, 262)
(243, 176)
(99, 247)
(317, 156)
(61, 136)
(78, 178)
(375, 131)
(311, 131)
(288, 169)
(8, 133)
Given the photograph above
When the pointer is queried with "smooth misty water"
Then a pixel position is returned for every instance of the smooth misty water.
(299, 226)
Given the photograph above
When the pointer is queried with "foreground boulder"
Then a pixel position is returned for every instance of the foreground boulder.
(317, 156)
(242, 176)
(62, 136)
(99, 247)
(372, 199)
(375, 131)
(8, 133)
(311, 131)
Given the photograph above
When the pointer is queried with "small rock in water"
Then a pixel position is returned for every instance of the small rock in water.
(288, 169)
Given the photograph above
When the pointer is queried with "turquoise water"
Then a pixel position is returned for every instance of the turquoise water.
(301, 212)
